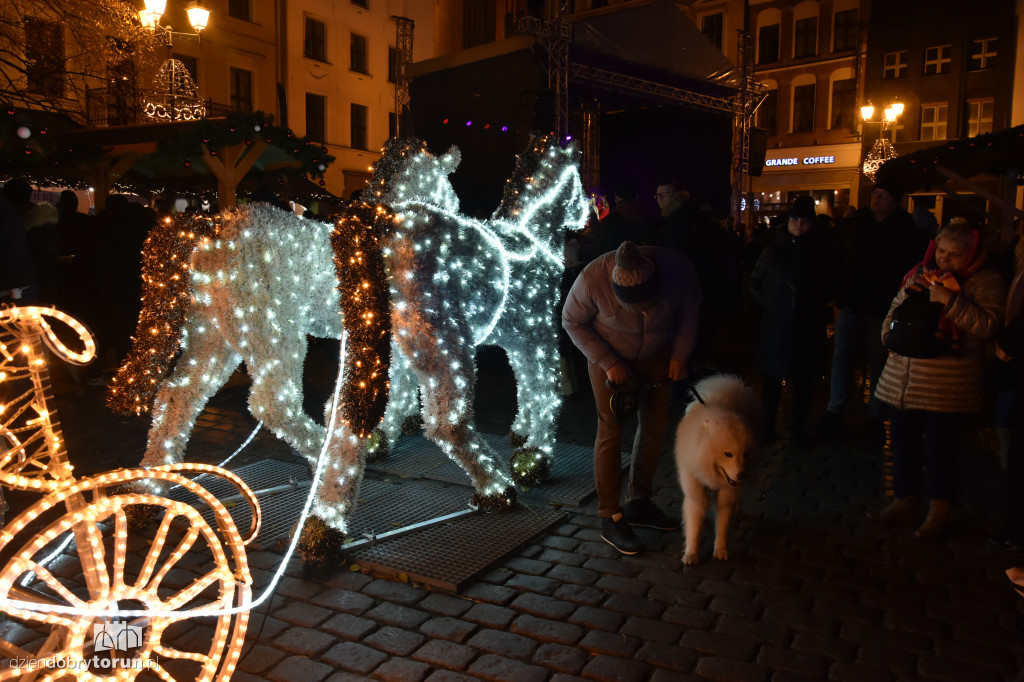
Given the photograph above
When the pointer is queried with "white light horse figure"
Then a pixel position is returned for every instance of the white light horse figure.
(459, 283)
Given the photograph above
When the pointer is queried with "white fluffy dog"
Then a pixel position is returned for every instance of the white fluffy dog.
(720, 430)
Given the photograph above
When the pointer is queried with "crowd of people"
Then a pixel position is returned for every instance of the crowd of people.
(923, 309)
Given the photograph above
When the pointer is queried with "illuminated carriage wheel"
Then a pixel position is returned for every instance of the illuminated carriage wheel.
(216, 589)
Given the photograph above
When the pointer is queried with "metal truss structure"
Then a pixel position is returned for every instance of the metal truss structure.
(403, 45)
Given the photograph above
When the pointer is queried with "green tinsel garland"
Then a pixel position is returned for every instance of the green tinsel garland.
(140, 517)
(517, 440)
(320, 545)
(503, 501)
(412, 425)
(377, 447)
(529, 466)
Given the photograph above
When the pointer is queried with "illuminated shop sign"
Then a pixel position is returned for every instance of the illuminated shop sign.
(798, 161)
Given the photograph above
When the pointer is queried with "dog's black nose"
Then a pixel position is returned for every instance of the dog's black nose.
(741, 476)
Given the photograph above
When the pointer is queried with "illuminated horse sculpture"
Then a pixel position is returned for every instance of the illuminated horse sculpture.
(262, 280)
(459, 283)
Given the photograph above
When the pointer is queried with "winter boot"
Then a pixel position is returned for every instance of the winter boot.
(939, 513)
(902, 511)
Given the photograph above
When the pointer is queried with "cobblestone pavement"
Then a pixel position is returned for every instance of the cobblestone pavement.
(810, 591)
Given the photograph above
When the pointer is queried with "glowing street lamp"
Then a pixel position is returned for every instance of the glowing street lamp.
(175, 95)
(198, 17)
(882, 149)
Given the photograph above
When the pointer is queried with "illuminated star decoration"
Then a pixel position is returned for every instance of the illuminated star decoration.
(34, 458)
(458, 283)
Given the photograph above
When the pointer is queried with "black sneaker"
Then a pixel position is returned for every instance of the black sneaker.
(645, 513)
(619, 535)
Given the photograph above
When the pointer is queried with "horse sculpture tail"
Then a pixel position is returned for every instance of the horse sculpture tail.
(166, 298)
(357, 241)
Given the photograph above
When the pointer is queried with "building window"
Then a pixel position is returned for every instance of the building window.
(358, 54)
(844, 104)
(768, 44)
(393, 64)
(803, 108)
(44, 58)
(241, 89)
(936, 60)
(239, 9)
(983, 54)
(314, 45)
(979, 116)
(358, 127)
(844, 31)
(933, 122)
(392, 124)
(895, 65)
(805, 37)
(365, 4)
(768, 113)
(316, 117)
(711, 27)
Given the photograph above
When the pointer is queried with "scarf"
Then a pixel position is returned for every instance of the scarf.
(926, 273)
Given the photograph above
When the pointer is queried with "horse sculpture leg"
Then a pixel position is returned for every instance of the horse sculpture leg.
(276, 396)
(205, 365)
(403, 398)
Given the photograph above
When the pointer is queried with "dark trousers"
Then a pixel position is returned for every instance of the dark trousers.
(771, 395)
(923, 440)
(652, 416)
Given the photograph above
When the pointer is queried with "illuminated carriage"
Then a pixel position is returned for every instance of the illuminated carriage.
(118, 590)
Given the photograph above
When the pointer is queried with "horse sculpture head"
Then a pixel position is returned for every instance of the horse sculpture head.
(408, 171)
(546, 174)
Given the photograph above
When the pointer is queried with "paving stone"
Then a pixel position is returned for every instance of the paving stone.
(956, 671)
(731, 670)
(451, 629)
(689, 618)
(540, 605)
(611, 564)
(561, 658)
(295, 588)
(354, 657)
(265, 627)
(848, 611)
(753, 629)
(299, 668)
(833, 648)
(635, 606)
(649, 629)
(528, 566)
(490, 615)
(740, 608)
(448, 676)
(347, 626)
(401, 670)
(614, 583)
(303, 641)
(345, 601)
(345, 677)
(545, 630)
(922, 624)
(394, 592)
(241, 676)
(597, 619)
(887, 658)
(533, 583)
(399, 616)
(683, 596)
(615, 669)
(973, 651)
(558, 557)
(306, 615)
(611, 643)
(349, 580)
(259, 658)
(490, 667)
(560, 543)
(502, 643)
(492, 594)
(395, 641)
(497, 576)
(445, 604)
(854, 672)
(572, 574)
(800, 620)
(445, 654)
(779, 658)
(580, 594)
(719, 644)
(677, 658)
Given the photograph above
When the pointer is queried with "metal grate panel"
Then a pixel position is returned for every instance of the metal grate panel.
(265, 473)
(571, 481)
(450, 555)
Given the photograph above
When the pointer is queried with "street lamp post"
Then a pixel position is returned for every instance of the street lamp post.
(175, 95)
(882, 149)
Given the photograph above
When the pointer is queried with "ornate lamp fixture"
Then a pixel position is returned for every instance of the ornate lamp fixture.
(174, 95)
(882, 149)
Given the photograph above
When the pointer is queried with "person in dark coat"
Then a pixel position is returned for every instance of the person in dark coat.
(792, 285)
(626, 222)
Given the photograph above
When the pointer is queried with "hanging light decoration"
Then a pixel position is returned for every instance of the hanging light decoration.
(881, 151)
(174, 96)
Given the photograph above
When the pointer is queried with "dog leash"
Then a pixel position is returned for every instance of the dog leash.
(693, 389)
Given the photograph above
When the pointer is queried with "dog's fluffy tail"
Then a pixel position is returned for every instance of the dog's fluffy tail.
(728, 391)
